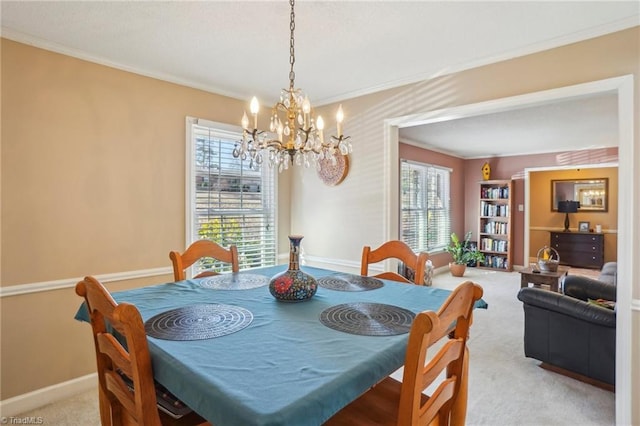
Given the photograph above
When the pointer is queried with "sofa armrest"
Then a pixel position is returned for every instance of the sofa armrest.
(609, 272)
(568, 306)
(584, 288)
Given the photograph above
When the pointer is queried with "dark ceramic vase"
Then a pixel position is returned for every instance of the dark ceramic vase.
(293, 285)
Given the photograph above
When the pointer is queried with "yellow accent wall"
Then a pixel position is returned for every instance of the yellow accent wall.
(543, 219)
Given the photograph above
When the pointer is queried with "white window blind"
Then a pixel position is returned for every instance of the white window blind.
(230, 203)
(425, 221)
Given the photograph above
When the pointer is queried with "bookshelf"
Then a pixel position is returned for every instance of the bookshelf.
(495, 225)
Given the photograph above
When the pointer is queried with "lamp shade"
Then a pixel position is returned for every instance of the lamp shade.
(568, 206)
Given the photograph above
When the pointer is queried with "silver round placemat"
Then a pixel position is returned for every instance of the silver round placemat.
(234, 281)
(368, 319)
(349, 282)
(198, 322)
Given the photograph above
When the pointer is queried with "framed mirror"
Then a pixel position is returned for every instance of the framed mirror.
(590, 193)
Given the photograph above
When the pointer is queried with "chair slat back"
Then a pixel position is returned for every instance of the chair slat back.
(201, 249)
(452, 319)
(441, 396)
(118, 404)
(456, 312)
(393, 277)
(395, 249)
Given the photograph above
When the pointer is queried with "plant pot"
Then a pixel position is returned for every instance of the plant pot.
(457, 269)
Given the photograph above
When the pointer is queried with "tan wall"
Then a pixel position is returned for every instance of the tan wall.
(542, 216)
(93, 172)
(96, 162)
(42, 344)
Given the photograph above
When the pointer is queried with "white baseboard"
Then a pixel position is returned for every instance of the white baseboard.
(339, 264)
(441, 270)
(38, 398)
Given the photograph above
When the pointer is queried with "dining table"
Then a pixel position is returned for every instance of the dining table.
(268, 362)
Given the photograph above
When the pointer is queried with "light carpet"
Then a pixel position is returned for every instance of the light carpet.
(505, 388)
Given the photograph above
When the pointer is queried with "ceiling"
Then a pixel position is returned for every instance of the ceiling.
(343, 49)
(587, 122)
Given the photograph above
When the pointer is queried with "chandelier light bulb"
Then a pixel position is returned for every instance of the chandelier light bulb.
(306, 109)
(339, 119)
(245, 120)
(320, 126)
(306, 105)
(280, 131)
(255, 106)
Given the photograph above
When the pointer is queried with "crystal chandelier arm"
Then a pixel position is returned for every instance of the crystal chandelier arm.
(273, 143)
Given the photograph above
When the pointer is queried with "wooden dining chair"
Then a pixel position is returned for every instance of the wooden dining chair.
(404, 404)
(201, 249)
(395, 249)
(127, 391)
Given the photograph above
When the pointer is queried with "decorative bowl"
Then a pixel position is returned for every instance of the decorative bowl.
(548, 259)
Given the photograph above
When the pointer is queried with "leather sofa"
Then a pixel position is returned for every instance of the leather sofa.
(566, 331)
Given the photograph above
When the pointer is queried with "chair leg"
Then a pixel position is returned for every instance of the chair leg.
(105, 408)
(459, 408)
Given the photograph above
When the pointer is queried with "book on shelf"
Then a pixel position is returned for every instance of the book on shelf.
(494, 193)
(492, 244)
(497, 228)
(494, 210)
(498, 262)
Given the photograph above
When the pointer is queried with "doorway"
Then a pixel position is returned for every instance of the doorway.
(622, 87)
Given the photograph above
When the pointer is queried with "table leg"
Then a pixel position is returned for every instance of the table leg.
(524, 282)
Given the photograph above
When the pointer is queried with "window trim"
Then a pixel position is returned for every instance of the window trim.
(438, 249)
(222, 129)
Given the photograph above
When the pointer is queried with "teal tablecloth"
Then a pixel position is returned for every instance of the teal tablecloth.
(285, 368)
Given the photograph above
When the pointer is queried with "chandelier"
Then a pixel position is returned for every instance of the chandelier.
(295, 135)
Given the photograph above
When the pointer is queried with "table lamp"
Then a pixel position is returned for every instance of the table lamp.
(567, 207)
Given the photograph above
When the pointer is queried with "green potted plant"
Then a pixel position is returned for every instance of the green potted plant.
(462, 254)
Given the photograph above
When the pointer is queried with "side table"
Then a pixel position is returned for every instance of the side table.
(552, 279)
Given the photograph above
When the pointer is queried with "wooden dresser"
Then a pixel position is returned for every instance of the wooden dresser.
(580, 249)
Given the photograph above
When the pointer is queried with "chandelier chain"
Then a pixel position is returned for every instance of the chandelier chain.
(292, 50)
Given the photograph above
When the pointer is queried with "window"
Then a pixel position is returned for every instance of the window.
(228, 202)
(425, 223)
